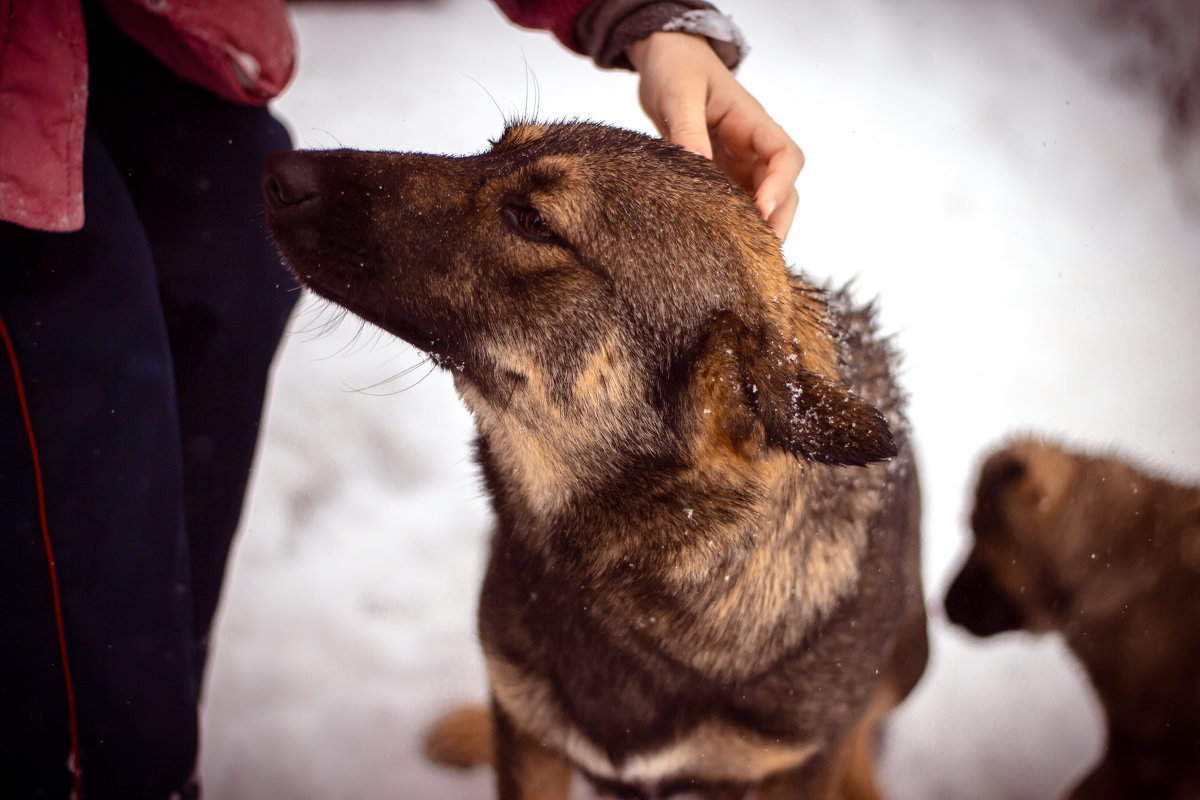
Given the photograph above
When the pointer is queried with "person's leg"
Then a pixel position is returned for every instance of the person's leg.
(194, 169)
(83, 314)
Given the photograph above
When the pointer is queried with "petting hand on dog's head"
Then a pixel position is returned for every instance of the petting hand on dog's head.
(691, 95)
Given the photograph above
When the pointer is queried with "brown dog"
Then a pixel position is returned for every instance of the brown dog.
(1109, 557)
(704, 574)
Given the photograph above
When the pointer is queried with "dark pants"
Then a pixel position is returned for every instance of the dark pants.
(144, 343)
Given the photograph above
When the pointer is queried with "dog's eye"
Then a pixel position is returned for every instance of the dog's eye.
(528, 221)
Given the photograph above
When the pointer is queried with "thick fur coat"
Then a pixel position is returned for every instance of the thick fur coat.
(704, 574)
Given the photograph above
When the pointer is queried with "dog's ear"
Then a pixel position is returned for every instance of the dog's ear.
(797, 408)
(814, 418)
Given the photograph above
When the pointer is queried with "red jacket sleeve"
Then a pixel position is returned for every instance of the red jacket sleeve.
(244, 51)
(602, 29)
(556, 16)
(43, 101)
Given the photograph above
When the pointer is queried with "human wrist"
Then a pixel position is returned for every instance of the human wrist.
(607, 28)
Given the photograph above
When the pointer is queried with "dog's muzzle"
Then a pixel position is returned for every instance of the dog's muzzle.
(290, 179)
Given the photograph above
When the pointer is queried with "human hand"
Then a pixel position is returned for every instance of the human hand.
(691, 96)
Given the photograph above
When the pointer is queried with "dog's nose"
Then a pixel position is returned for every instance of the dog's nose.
(289, 178)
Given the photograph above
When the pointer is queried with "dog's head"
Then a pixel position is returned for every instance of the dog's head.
(597, 271)
(1060, 539)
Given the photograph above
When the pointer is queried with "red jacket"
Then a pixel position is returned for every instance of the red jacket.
(242, 50)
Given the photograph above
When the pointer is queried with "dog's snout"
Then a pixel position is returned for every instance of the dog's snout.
(976, 601)
(290, 178)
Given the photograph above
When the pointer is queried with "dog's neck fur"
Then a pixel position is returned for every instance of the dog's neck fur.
(581, 466)
(737, 508)
(543, 427)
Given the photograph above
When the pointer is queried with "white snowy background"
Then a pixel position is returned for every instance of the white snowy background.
(976, 168)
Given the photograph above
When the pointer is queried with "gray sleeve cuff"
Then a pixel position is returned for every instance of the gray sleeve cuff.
(607, 27)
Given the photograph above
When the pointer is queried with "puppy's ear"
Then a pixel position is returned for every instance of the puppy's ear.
(799, 409)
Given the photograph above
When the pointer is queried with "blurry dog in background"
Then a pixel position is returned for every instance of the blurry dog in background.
(704, 575)
(1109, 557)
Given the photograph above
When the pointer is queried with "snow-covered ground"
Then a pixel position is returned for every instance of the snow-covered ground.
(1003, 198)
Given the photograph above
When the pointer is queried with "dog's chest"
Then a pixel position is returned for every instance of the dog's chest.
(571, 670)
(712, 753)
(631, 734)
(642, 678)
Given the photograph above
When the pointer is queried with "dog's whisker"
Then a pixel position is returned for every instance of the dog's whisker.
(491, 97)
(531, 81)
(325, 319)
(369, 390)
(335, 139)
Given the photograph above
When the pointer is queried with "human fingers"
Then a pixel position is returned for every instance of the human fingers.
(673, 90)
(759, 155)
(695, 102)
